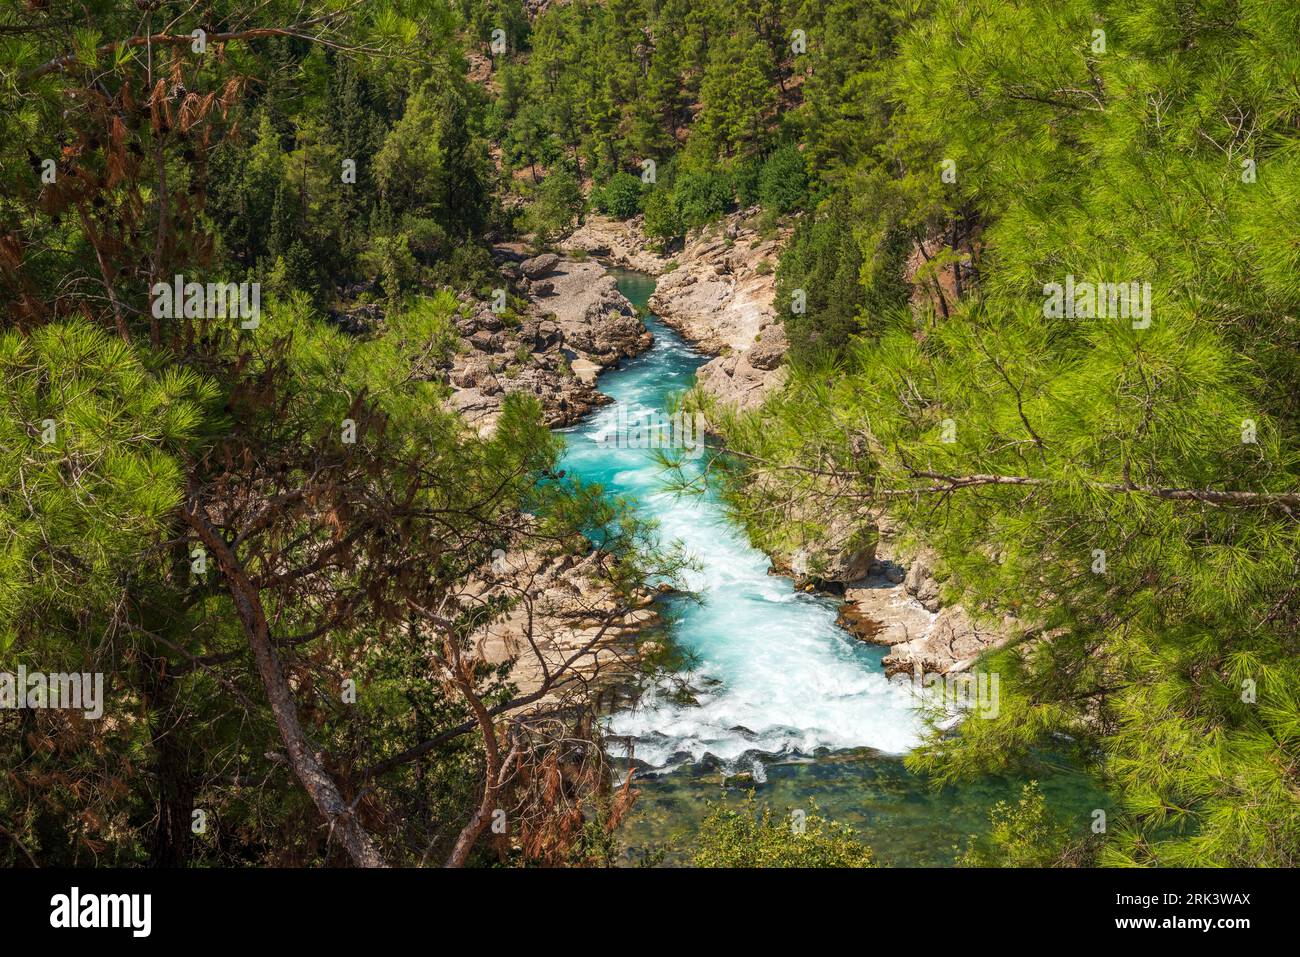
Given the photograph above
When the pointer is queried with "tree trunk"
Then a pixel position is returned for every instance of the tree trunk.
(322, 789)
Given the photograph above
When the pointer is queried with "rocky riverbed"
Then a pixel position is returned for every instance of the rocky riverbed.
(718, 292)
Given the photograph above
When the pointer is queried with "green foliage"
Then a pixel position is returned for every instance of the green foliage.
(821, 268)
(78, 404)
(557, 205)
(747, 836)
(619, 197)
(177, 493)
(1173, 669)
(1027, 834)
(782, 183)
(701, 197)
(663, 221)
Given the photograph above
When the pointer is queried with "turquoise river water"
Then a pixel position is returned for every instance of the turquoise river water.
(784, 698)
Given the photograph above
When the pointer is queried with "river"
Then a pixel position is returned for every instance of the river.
(783, 700)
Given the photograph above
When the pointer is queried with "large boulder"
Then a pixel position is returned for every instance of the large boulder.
(539, 266)
(920, 582)
(485, 341)
(770, 349)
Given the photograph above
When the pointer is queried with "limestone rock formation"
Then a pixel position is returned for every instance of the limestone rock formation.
(719, 296)
(621, 242)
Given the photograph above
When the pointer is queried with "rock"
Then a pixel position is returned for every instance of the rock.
(585, 370)
(769, 351)
(843, 554)
(920, 581)
(720, 297)
(485, 341)
(548, 334)
(622, 242)
(951, 645)
(887, 569)
(852, 619)
(583, 325)
(539, 266)
(735, 382)
(846, 559)
(540, 335)
(890, 615)
(358, 320)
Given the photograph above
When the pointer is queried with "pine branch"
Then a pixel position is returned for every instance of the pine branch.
(950, 483)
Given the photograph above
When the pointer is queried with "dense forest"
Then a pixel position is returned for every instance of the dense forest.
(259, 531)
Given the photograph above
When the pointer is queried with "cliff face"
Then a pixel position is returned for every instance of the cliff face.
(719, 296)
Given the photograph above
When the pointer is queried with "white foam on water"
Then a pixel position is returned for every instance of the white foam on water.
(773, 674)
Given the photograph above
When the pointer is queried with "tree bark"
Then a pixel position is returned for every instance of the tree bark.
(320, 787)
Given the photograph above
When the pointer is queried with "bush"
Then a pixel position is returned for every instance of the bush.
(783, 181)
(1027, 835)
(731, 837)
(558, 202)
(662, 220)
(745, 177)
(702, 197)
(619, 197)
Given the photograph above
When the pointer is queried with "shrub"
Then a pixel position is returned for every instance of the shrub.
(662, 219)
(558, 202)
(783, 181)
(1026, 835)
(619, 197)
(702, 197)
(745, 177)
(744, 837)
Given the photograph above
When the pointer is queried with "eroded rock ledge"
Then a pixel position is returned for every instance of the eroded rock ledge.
(898, 605)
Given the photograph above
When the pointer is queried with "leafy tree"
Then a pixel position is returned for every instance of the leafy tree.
(663, 221)
(701, 197)
(558, 203)
(782, 183)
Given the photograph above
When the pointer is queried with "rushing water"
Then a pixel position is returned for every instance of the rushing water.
(781, 696)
